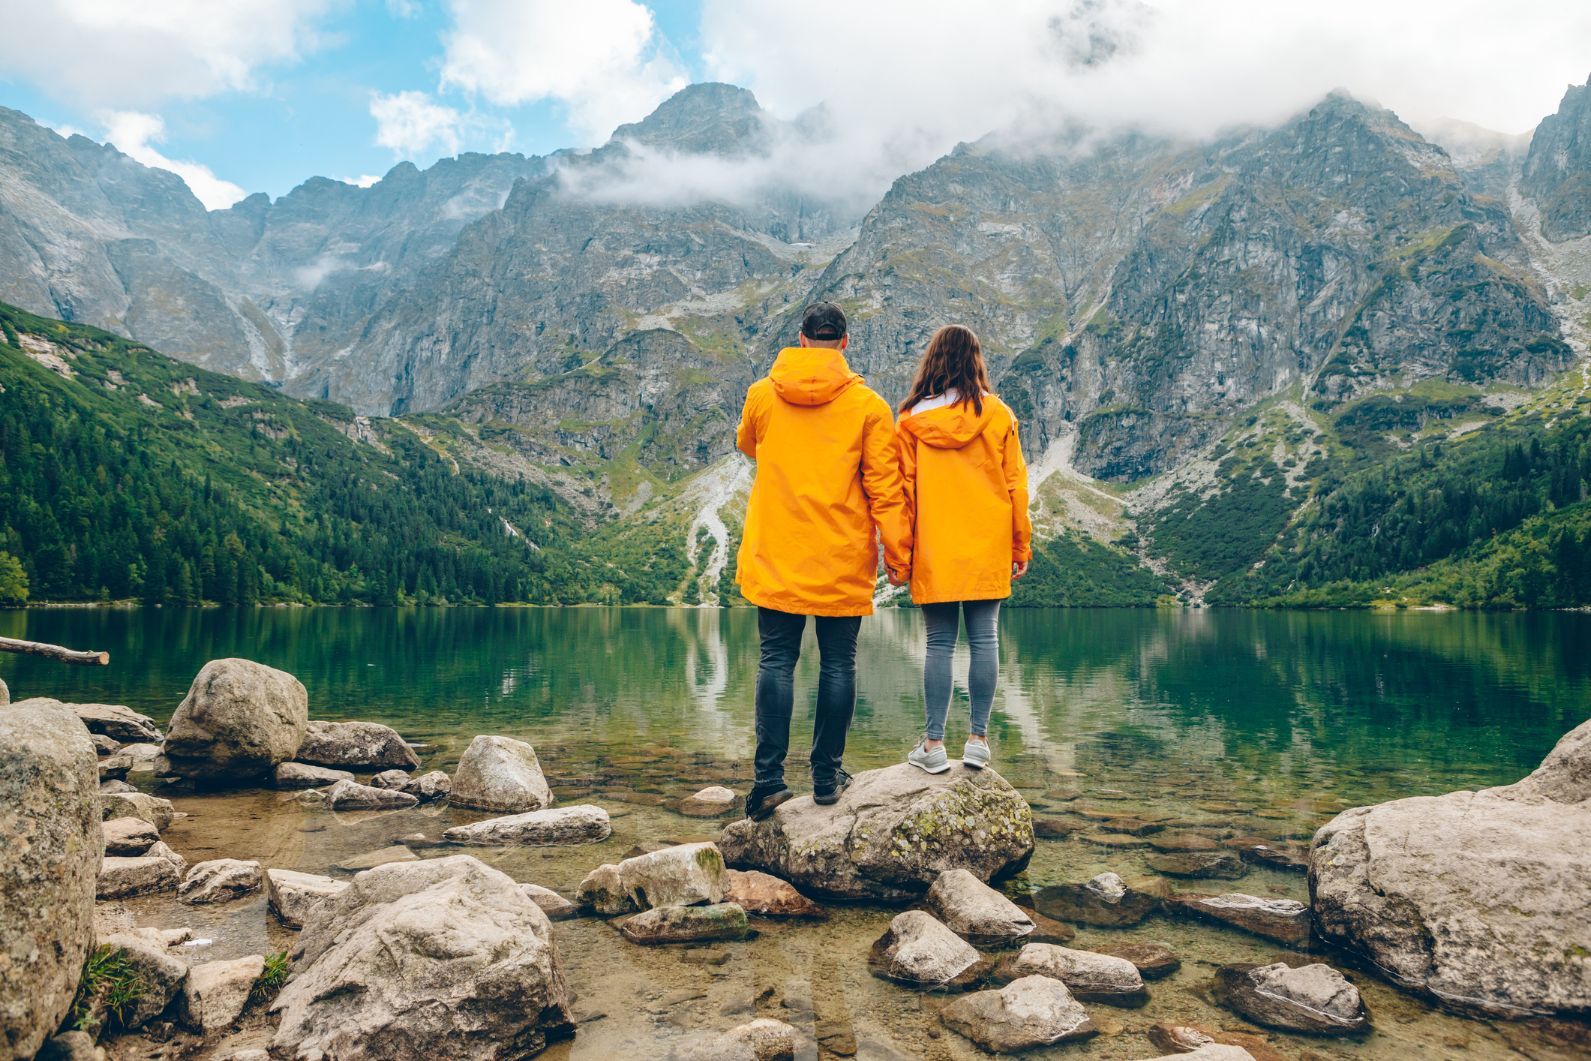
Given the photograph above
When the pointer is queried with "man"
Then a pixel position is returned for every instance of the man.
(827, 477)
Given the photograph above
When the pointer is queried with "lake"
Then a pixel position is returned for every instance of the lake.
(1264, 723)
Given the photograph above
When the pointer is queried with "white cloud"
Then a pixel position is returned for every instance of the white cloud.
(135, 133)
(603, 60)
(116, 54)
(364, 180)
(411, 124)
(404, 9)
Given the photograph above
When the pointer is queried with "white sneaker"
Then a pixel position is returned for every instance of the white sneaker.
(976, 754)
(935, 761)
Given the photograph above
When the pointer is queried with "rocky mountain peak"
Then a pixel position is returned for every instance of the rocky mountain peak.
(1557, 171)
(706, 118)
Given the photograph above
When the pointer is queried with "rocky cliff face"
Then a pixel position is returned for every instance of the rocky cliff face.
(1557, 171)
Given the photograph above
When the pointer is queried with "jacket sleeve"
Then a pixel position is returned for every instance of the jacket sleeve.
(881, 481)
(906, 451)
(1016, 481)
(746, 433)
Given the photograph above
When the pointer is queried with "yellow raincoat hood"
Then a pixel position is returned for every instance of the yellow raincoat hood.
(811, 375)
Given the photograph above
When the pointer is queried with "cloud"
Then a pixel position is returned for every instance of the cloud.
(412, 124)
(364, 180)
(900, 82)
(603, 60)
(114, 54)
(134, 133)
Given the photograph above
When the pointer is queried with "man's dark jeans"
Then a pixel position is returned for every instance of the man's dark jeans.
(781, 647)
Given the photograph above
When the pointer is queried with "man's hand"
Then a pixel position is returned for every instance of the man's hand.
(1018, 569)
(897, 579)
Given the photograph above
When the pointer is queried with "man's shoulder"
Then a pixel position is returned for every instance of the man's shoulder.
(870, 401)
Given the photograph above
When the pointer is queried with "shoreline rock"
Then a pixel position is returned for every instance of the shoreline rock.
(362, 745)
(767, 896)
(976, 912)
(239, 720)
(1088, 975)
(500, 774)
(918, 951)
(1313, 999)
(682, 875)
(216, 993)
(1030, 1012)
(351, 795)
(220, 880)
(126, 877)
(687, 924)
(711, 802)
(581, 824)
(120, 724)
(129, 836)
(292, 896)
(295, 775)
(1286, 921)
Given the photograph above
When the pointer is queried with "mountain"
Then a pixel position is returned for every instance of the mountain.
(1557, 171)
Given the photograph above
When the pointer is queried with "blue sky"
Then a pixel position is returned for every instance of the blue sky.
(257, 95)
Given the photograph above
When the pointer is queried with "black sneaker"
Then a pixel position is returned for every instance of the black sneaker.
(761, 805)
(828, 793)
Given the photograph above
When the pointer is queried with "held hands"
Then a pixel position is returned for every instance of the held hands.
(898, 579)
(1018, 568)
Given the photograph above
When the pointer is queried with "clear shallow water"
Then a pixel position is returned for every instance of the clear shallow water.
(1235, 721)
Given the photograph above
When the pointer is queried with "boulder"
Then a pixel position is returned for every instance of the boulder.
(216, 993)
(500, 774)
(891, 835)
(372, 859)
(583, 824)
(768, 896)
(1476, 898)
(50, 851)
(1105, 901)
(760, 1040)
(1152, 960)
(366, 745)
(1027, 1013)
(555, 906)
(1283, 920)
(687, 924)
(683, 875)
(303, 775)
(160, 975)
(152, 809)
(129, 836)
(1315, 999)
(976, 912)
(918, 951)
(292, 895)
(120, 724)
(220, 880)
(351, 795)
(441, 958)
(123, 878)
(1091, 976)
(711, 802)
(1199, 865)
(237, 722)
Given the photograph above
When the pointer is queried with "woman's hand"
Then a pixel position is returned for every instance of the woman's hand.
(1018, 568)
(900, 579)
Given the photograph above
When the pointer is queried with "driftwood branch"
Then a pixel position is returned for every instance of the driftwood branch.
(65, 655)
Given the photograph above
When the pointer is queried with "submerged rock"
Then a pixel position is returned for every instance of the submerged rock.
(1091, 976)
(366, 745)
(479, 973)
(302, 775)
(152, 809)
(555, 906)
(1478, 898)
(1152, 960)
(711, 802)
(768, 896)
(583, 824)
(1027, 1013)
(760, 1040)
(216, 993)
(50, 851)
(123, 878)
(976, 912)
(160, 975)
(683, 875)
(372, 859)
(129, 836)
(120, 724)
(1186, 1040)
(1209, 1052)
(1199, 865)
(1283, 920)
(220, 880)
(237, 722)
(500, 774)
(293, 896)
(351, 795)
(918, 951)
(687, 924)
(891, 835)
(1316, 999)
(1104, 900)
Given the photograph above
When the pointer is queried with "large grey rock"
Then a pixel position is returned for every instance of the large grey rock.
(891, 835)
(918, 951)
(364, 745)
(1091, 976)
(160, 975)
(1027, 1013)
(687, 924)
(153, 809)
(1479, 898)
(304, 775)
(120, 724)
(1315, 999)
(129, 836)
(976, 912)
(682, 875)
(351, 795)
(216, 993)
(1103, 900)
(582, 824)
(500, 774)
(220, 880)
(123, 878)
(50, 851)
(441, 958)
(237, 722)
(1283, 920)
(292, 895)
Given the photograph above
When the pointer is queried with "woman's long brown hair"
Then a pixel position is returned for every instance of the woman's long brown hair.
(953, 360)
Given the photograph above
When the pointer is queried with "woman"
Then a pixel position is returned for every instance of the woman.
(968, 492)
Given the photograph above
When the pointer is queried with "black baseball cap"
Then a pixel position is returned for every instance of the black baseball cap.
(823, 321)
